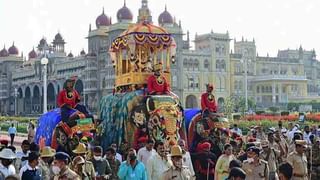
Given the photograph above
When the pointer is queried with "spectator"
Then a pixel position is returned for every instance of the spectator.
(6, 164)
(306, 134)
(146, 152)
(236, 129)
(12, 177)
(222, 166)
(22, 157)
(236, 173)
(235, 163)
(285, 171)
(31, 132)
(60, 167)
(118, 156)
(158, 163)
(113, 162)
(31, 171)
(132, 168)
(12, 132)
(205, 162)
(101, 165)
(186, 158)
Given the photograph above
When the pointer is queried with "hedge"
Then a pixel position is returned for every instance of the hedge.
(266, 124)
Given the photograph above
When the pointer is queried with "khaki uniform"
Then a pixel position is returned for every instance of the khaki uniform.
(67, 174)
(45, 170)
(315, 173)
(272, 162)
(88, 168)
(256, 172)
(174, 174)
(299, 164)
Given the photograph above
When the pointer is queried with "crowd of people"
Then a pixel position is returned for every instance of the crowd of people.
(273, 153)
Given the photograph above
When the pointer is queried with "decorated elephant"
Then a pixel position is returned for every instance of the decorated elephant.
(200, 127)
(51, 131)
(128, 116)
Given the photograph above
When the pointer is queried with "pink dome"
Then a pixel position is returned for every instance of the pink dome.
(13, 50)
(103, 20)
(32, 54)
(4, 52)
(165, 17)
(124, 13)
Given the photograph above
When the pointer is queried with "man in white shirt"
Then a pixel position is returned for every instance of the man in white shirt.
(146, 152)
(22, 156)
(6, 164)
(158, 163)
(306, 134)
(236, 129)
(118, 156)
(186, 158)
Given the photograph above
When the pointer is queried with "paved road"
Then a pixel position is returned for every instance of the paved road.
(17, 140)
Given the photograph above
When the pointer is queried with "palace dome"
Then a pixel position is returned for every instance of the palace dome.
(103, 20)
(165, 17)
(13, 50)
(124, 13)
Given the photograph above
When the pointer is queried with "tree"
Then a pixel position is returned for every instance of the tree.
(229, 106)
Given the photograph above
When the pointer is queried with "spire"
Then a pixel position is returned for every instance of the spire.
(165, 7)
(253, 41)
(102, 10)
(242, 39)
(124, 3)
(144, 3)
(188, 36)
(180, 23)
(144, 13)
(90, 27)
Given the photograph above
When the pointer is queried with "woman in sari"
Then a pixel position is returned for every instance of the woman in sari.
(222, 166)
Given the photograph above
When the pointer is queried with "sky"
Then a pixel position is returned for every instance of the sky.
(274, 24)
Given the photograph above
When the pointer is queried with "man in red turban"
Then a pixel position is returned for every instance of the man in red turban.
(68, 100)
(157, 83)
(208, 101)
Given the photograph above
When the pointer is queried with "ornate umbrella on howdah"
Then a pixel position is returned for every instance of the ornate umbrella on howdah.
(137, 50)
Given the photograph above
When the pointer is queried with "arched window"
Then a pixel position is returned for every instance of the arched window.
(185, 63)
(196, 64)
(218, 65)
(190, 64)
(206, 64)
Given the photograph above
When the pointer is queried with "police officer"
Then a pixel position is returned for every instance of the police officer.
(88, 168)
(60, 167)
(46, 155)
(270, 155)
(255, 167)
(177, 171)
(315, 173)
(298, 160)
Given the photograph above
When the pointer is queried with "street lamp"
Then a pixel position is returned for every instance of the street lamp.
(245, 61)
(15, 101)
(44, 62)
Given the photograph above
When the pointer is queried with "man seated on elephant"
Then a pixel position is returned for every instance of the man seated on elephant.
(68, 100)
(208, 102)
(157, 83)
